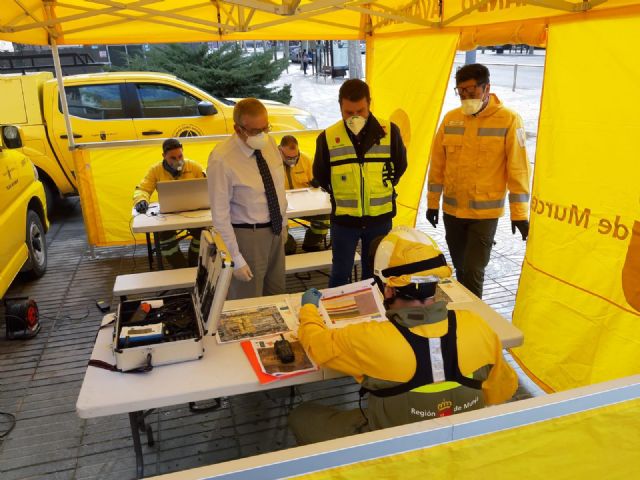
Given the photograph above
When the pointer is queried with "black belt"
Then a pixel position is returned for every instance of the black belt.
(253, 226)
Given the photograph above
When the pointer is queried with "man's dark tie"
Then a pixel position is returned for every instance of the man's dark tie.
(270, 191)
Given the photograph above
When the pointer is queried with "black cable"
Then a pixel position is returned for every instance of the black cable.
(12, 424)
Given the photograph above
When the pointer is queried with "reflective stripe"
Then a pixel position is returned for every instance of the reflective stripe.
(486, 205)
(379, 201)
(454, 130)
(379, 149)
(518, 197)
(492, 132)
(450, 201)
(435, 187)
(342, 151)
(346, 203)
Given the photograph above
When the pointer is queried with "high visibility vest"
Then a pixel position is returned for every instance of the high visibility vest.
(359, 189)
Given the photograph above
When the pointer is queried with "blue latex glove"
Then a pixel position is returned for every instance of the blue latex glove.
(311, 296)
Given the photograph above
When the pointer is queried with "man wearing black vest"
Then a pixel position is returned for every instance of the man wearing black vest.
(425, 362)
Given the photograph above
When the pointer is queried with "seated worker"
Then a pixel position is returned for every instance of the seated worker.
(408, 376)
(173, 167)
(299, 174)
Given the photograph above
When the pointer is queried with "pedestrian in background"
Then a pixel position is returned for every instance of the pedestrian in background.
(478, 154)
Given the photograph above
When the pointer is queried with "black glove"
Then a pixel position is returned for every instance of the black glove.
(521, 225)
(432, 216)
(142, 206)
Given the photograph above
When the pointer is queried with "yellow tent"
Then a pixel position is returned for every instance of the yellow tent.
(579, 297)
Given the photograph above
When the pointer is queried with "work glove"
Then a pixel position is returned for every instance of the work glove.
(244, 274)
(311, 296)
(142, 206)
(522, 226)
(432, 216)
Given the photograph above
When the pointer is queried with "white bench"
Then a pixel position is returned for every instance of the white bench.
(137, 283)
(305, 262)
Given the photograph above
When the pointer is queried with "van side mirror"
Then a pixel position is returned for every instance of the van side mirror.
(11, 137)
(206, 108)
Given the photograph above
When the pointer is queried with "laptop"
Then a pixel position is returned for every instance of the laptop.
(183, 195)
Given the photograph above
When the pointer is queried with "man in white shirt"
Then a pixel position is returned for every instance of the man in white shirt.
(248, 202)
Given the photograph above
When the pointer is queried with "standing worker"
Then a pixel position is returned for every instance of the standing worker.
(173, 167)
(358, 160)
(248, 203)
(425, 362)
(299, 174)
(478, 153)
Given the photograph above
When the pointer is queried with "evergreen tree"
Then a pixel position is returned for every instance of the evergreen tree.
(226, 72)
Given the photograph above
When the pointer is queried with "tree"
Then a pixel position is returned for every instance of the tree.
(225, 72)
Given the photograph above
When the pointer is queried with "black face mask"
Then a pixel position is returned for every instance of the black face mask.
(174, 173)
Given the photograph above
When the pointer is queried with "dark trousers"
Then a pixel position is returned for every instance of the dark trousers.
(344, 241)
(470, 242)
(170, 248)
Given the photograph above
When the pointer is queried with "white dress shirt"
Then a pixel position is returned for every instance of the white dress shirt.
(237, 192)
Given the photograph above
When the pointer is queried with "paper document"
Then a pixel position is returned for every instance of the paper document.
(352, 303)
(253, 322)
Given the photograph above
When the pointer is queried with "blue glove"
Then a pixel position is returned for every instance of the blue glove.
(311, 296)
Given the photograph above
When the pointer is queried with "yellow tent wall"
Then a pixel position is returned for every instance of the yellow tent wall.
(565, 447)
(108, 176)
(412, 102)
(578, 302)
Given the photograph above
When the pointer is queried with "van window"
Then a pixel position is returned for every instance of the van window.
(95, 102)
(161, 101)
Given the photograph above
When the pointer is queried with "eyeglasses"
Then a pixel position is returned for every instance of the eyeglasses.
(256, 131)
(470, 90)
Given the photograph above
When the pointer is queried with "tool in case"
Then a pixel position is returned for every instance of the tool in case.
(170, 328)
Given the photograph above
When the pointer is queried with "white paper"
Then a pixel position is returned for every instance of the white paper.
(352, 303)
(254, 322)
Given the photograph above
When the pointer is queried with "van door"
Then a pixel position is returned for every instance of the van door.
(98, 114)
(13, 181)
(167, 111)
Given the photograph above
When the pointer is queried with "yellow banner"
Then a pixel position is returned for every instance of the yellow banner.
(408, 81)
(562, 447)
(108, 176)
(578, 302)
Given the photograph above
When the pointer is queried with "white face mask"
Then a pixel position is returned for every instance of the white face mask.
(179, 165)
(258, 142)
(290, 162)
(356, 124)
(471, 106)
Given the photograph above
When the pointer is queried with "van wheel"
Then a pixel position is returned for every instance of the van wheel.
(37, 245)
(51, 195)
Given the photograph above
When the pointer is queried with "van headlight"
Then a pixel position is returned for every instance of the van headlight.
(309, 121)
(11, 136)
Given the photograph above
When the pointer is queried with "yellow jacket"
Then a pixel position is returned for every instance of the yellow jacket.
(378, 350)
(300, 175)
(157, 173)
(475, 159)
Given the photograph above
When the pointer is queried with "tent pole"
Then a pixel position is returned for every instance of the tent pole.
(63, 95)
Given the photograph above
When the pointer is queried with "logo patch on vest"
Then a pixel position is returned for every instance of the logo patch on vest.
(337, 139)
(445, 408)
(343, 178)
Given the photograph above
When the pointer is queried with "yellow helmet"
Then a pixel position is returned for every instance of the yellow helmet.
(408, 256)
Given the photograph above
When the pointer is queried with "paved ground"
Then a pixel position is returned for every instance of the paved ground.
(40, 378)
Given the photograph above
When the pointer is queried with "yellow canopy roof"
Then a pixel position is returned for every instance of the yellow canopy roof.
(73, 22)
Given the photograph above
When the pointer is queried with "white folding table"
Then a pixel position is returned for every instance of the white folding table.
(223, 371)
(303, 202)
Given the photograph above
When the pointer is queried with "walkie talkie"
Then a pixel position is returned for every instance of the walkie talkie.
(283, 350)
